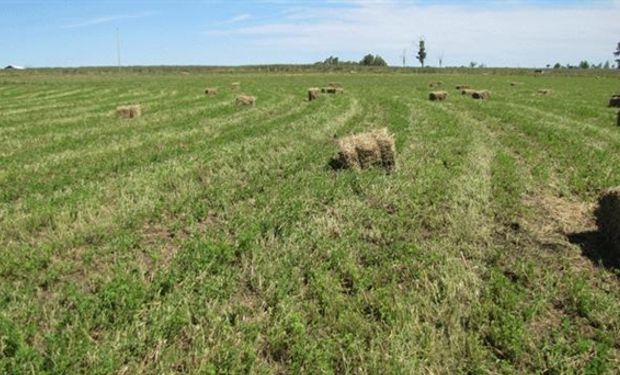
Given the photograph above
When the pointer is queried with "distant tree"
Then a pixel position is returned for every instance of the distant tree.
(421, 52)
(557, 66)
(371, 60)
(606, 66)
(332, 60)
(379, 61)
(617, 54)
(584, 65)
(473, 64)
(548, 66)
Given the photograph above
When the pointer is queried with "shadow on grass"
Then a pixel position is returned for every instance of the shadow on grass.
(597, 249)
(335, 164)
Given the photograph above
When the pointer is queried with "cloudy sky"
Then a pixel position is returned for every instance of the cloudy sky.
(524, 33)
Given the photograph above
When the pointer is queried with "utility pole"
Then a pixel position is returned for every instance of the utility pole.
(404, 57)
(118, 48)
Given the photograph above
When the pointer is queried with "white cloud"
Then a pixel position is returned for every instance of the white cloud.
(105, 19)
(235, 19)
(495, 33)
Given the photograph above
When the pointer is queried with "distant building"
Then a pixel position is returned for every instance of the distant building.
(14, 67)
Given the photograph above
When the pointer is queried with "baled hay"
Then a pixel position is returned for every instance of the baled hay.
(438, 95)
(245, 100)
(462, 87)
(513, 84)
(235, 86)
(313, 93)
(435, 84)
(608, 217)
(129, 111)
(468, 92)
(544, 91)
(332, 90)
(211, 91)
(365, 150)
(335, 84)
(614, 101)
(481, 94)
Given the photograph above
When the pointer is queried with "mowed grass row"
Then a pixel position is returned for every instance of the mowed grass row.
(208, 238)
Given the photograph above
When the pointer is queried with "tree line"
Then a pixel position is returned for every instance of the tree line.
(376, 60)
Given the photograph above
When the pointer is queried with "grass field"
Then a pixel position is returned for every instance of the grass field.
(203, 237)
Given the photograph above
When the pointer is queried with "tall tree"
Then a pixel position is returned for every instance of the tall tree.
(421, 52)
(617, 54)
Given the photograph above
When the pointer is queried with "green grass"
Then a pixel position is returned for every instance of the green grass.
(206, 238)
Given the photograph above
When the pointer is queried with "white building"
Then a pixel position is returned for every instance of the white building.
(14, 67)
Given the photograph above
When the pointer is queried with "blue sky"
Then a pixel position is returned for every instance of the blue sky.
(236, 32)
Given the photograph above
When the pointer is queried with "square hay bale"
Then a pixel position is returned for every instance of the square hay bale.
(513, 84)
(462, 87)
(129, 111)
(235, 86)
(365, 150)
(335, 84)
(332, 90)
(435, 84)
(468, 92)
(614, 101)
(481, 94)
(545, 91)
(438, 95)
(211, 91)
(608, 217)
(313, 93)
(245, 100)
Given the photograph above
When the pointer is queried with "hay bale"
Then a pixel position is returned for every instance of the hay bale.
(435, 84)
(513, 84)
(608, 217)
(245, 100)
(366, 150)
(438, 95)
(313, 93)
(614, 101)
(335, 84)
(235, 86)
(481, 94)
(211, 91)
(462, 87)
(545, 91)
(332, 90)
(468, 92)
(129, 111)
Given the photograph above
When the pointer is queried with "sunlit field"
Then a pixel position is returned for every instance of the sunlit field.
(205, 237)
